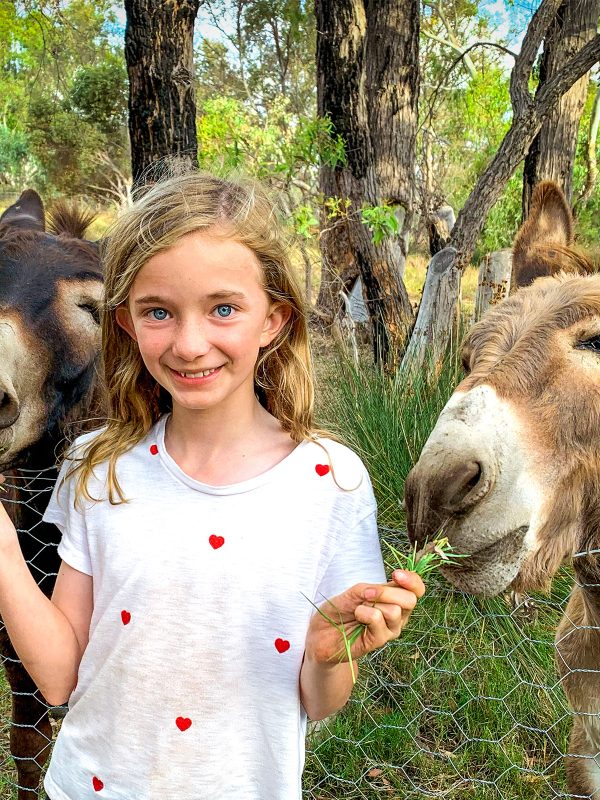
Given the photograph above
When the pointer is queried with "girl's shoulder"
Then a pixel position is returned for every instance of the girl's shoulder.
(345, 465)
(77, 447)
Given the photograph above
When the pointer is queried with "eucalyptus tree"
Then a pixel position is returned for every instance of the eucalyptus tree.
(367, 85)
(162, 108)
(551, 155)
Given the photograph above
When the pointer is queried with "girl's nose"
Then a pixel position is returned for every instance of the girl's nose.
(191, 341)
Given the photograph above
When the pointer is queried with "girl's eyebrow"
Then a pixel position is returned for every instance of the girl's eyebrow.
(226, 295)
(149, 298)
(221, 295)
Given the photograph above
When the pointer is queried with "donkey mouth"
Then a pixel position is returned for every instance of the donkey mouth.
(491, 569)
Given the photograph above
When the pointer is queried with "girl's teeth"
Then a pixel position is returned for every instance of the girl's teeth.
(202, 374)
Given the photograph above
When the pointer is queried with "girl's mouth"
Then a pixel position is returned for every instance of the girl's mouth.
(200, 376)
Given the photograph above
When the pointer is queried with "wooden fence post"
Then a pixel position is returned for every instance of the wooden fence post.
(493, 285)
(436, 313)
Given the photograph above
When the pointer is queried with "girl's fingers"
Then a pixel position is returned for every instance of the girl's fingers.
(384, 620)
(409, 580)
(392, 593)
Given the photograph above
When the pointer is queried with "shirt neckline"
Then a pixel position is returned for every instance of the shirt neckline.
(232, 488)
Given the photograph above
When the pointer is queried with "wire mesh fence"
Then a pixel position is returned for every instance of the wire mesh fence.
(467, 704)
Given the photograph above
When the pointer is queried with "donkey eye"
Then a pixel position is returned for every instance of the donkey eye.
(93, 310)
(592, 344)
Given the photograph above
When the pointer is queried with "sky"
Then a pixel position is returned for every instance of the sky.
(510, 19)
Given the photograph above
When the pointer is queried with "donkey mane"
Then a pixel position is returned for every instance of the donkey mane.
(69, 218)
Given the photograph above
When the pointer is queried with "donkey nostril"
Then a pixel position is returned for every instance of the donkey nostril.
(474, 480)
(463, 482)
(9, 409)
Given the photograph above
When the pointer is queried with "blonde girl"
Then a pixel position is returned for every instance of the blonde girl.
(196, 523)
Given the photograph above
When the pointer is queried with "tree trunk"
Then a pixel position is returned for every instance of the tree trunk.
(552, 152)
(367, 83)
(493, 285)
(435, 319)
(159, 56)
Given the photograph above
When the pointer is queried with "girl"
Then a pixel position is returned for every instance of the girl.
(198, 522)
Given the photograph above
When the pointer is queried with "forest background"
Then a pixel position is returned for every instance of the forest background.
(63, 114)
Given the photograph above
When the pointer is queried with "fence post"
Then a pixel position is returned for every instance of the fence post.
(493, 285)
(436, 313)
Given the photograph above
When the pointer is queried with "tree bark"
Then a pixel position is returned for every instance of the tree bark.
(367, 83)
(552, 152)
(435, 319)
(493, 285)
(159, 56)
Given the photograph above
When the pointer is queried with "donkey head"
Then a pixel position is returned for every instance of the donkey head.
(511, 470)
(50, 287)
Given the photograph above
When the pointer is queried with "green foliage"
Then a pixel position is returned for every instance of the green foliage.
(269, 54)
(503, 221)
(305, 221)
(99, 94)
(65, 144)
(381, 221)
(60, 118)
(14, 157)
(283, 150)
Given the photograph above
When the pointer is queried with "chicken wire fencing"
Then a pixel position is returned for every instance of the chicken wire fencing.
(466, 704)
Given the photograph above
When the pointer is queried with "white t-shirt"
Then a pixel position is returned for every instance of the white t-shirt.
(189, 686)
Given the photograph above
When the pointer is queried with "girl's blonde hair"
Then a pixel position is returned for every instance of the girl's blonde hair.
(170, 209)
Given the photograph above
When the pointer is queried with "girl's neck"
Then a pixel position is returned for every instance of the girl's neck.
(224, 451)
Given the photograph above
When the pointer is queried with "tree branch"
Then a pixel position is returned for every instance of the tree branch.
(469, 66)
(536, 31)
(573, 70)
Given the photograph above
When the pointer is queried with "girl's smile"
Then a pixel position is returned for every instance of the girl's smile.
(200, 316)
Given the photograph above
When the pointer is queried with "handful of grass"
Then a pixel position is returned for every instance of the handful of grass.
(432, 555)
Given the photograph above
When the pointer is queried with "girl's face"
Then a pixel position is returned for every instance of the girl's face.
(199, 315)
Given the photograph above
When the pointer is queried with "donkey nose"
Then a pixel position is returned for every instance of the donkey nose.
(435, 493)
(9, 407)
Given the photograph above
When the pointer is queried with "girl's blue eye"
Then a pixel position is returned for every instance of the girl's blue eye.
(224, 311)
(158, 314)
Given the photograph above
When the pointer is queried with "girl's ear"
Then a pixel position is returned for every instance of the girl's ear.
(276, 320)
(123, 318)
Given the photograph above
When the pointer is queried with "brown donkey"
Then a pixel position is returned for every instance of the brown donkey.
(512, 467)
(50, 285)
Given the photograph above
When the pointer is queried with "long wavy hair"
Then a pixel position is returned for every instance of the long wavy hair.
(172, 208)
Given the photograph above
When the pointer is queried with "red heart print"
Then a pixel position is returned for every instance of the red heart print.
(126, 617)
(216, 541)
(97, 784)
(154, 449)
(281, 645)
(322, 469)
(183, 723)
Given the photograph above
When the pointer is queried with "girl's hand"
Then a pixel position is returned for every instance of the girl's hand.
(383, 608)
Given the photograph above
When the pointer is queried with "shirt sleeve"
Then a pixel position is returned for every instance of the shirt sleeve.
(70, 520)
(357, 557)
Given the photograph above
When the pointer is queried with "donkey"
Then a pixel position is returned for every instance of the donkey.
(511, 470)
(50, 287)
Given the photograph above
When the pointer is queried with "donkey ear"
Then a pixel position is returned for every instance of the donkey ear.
(27, 212)
(542, 244)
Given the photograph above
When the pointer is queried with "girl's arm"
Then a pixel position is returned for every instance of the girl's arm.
(325, 676)
(48, 635)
